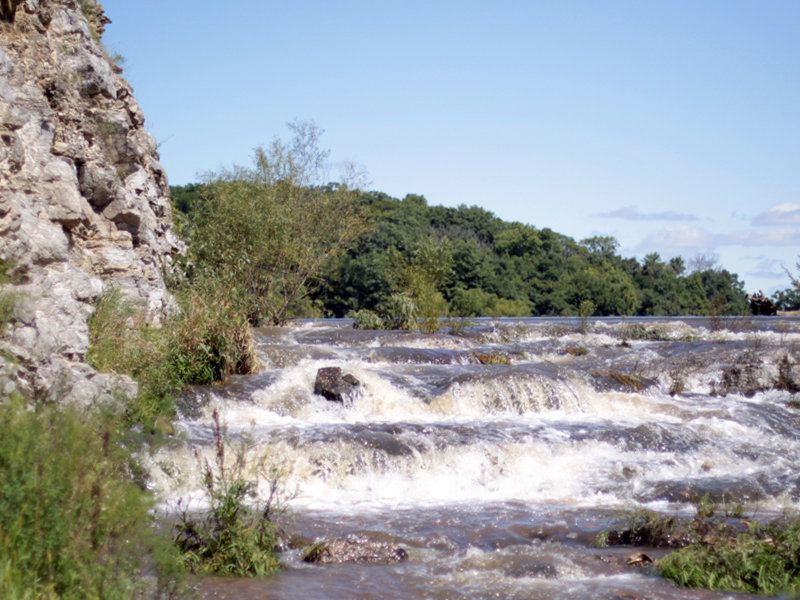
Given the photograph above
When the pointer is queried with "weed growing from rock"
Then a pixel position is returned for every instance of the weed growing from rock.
(237, 535)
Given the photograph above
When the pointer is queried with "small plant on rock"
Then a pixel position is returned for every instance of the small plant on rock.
(237, 536)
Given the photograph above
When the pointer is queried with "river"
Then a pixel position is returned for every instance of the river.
(496, 478)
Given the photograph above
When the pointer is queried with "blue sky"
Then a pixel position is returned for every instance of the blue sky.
(671, 125)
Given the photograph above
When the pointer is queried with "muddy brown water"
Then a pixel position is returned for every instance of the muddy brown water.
(497, 478)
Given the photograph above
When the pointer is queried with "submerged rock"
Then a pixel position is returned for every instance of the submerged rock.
(333, 385)
(354, 549)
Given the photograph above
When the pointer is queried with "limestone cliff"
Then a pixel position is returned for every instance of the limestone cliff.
(84, 201)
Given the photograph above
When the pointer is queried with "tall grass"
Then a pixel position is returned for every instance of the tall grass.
(207, 341)
(73, 522)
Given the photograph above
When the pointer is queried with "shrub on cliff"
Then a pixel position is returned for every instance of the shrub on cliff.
(73, 522)
(207, 341)
(265, 232)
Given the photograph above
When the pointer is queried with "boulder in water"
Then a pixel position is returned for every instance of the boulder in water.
(354, 549)
(333, 385)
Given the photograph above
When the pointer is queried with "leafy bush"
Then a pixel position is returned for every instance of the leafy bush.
(400, 312)
(207, 341)
(73, 522)
(365, 319)
(479, 303)
(236, 536)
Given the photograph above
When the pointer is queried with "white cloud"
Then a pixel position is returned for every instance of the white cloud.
(631, 213)
(676, 238)
(774, 236)
(787, 213)
(768, 268)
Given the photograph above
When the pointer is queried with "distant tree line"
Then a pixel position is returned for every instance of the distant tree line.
(465, 261)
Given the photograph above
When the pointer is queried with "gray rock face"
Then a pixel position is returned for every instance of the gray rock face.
(84, 202)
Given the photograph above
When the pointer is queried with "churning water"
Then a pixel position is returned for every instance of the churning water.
(496, 478)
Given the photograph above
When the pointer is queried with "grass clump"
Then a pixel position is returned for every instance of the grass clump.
(207, 341)
(576, 351)
(718, 550)
(493, 359)
(640, 331)
(632, 381)
(237, 535)
(74, 523)
(8, 298)
(764, 560)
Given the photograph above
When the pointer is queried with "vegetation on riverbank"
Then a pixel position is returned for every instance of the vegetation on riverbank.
(264, 233)
(74, 519)
(719, 550)
(205, 342)
(495, 268)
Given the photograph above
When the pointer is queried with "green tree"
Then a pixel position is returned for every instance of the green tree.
(788, 299)
(608, 288)
(265, 232)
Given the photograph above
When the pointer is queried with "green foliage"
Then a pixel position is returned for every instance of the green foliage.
(266, 232)
(765, 560)
(788, 299)
(640, 331)
(400, 312)
(421, 281)
(607, 287)
(484, 266)
(73, 522)
(715, 552)
(585, 310)
(236, 536)
(366, 319)
(8, 298)
(207, 341)
(477, 302)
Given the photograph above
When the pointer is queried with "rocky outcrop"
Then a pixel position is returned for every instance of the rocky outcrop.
(354, 549)
(775, 370)
(334, 386)
(84, 201)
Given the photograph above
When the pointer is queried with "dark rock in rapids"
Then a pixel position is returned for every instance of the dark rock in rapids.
(760, 305)
(354, 549)
(768, 372)
(662, 532)
(333, 385)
